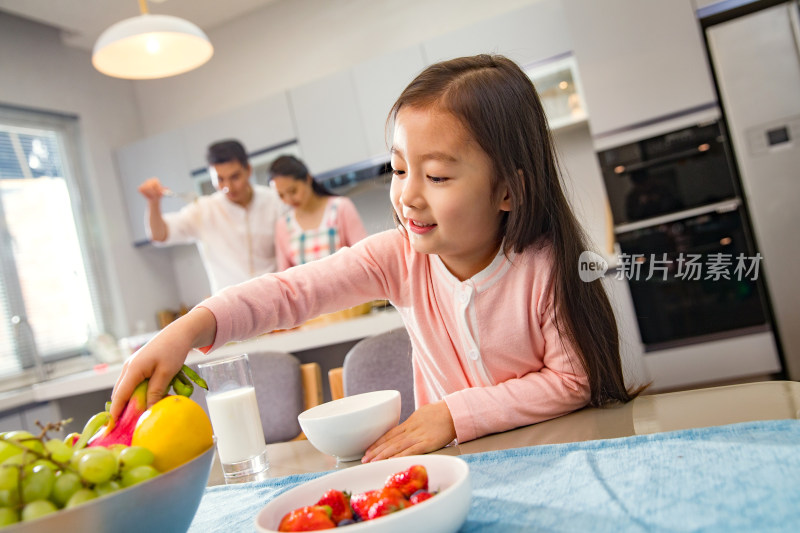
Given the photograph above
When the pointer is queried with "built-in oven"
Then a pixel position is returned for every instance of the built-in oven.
(668, 173)
(693, 278)
(687, 254)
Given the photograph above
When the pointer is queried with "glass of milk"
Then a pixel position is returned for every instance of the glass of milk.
(233, 410)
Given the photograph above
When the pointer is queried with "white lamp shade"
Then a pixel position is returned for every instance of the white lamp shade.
(151, 46)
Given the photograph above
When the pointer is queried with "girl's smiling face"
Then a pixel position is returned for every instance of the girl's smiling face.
(442, 191)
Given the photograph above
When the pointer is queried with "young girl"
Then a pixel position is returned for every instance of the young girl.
(483, 269)
(318, 224)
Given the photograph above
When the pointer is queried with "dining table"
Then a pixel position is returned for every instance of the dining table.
(723, 458)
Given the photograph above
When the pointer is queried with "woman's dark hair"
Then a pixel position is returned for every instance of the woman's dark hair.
(498, 105)
(224, 151)
(290, 166)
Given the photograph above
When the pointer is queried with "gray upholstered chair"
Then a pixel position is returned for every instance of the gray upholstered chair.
(377, 363)
(284, 389)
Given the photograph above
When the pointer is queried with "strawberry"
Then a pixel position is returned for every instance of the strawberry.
(309, 518)
(390, 500)
(410, 480)
(339, 502)
(419, 496)
(363, 501)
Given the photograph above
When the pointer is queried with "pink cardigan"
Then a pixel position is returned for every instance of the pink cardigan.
(487, 346)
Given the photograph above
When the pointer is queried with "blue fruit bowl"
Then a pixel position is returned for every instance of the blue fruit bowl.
(164, 504)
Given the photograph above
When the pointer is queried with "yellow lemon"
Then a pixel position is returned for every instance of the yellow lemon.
(175, 429)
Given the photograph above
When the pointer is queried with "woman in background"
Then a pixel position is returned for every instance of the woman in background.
(318, 223)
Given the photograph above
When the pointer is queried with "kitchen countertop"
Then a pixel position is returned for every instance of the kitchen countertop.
(315, 335)
(647, 414)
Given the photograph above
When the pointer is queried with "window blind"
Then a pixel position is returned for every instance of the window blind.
(52, 283)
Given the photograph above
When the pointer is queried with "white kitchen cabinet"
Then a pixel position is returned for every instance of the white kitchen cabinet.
(11, 421)
(328, 122)
(560, 92)
(526, 35)
(257, 126)
(44, 413)
(25, 417)
(162, 156)
(640, 60)
(378, 83)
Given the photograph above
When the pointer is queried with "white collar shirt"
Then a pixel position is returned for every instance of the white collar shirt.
(235, 243)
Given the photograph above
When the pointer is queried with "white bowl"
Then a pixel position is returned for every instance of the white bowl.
(166, 503)
(444, 513)
(345, 428)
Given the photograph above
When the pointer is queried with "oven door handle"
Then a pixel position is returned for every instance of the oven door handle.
(693, 152)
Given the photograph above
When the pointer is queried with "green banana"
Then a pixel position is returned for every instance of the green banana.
(182, 385)
(92, 426)
(194, 376)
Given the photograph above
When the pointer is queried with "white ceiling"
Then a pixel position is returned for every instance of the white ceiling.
(82, 21)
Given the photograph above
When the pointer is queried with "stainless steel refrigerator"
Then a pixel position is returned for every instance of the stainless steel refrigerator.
(756, 61)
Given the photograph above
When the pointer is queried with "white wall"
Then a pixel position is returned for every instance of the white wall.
(291, 42)
(37, 71)
(283, 45)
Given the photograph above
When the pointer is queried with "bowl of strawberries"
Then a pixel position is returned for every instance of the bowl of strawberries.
(416, 493)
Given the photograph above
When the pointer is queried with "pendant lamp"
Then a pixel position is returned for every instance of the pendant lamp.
(151, 46)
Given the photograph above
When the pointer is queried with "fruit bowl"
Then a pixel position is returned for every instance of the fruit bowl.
(166, 503)
(445, 512)
(346, 427)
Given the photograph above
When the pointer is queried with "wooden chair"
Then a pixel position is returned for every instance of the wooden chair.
(284, 389)
(335, 380)
(377, 363)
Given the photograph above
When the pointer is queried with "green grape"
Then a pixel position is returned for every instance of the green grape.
(58, 450)
(98, 465)
(67, 484)
(107, 488)
(8, 516)
(76, 456)
(135, 456)
(8, 450)
(38, 484)
(80, 496)
(26, 439)
(9, 475)
(138, 474)
(9, 498)
(40, 462)
(37, 509)
(117, 448)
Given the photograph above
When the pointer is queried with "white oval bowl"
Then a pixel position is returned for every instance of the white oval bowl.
(346, 427)
(444, 513)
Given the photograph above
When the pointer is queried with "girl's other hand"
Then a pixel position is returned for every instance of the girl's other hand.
(429, 428)
(162, 357)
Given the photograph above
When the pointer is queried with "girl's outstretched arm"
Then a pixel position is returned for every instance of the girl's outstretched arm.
(429, 428)
(162, 357)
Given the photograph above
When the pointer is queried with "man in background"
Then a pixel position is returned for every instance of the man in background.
(234, 228)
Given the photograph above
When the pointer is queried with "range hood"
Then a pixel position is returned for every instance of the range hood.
(341, 180)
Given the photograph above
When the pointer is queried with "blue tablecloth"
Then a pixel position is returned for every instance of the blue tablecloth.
(739, 477)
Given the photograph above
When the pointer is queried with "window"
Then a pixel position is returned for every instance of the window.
(50, 287)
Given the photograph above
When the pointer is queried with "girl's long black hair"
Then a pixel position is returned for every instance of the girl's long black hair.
(498, 104)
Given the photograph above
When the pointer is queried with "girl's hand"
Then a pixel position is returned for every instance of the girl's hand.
(428, 428)
(162, 357)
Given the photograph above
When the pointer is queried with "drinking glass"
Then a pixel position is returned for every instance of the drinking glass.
(233, 410)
